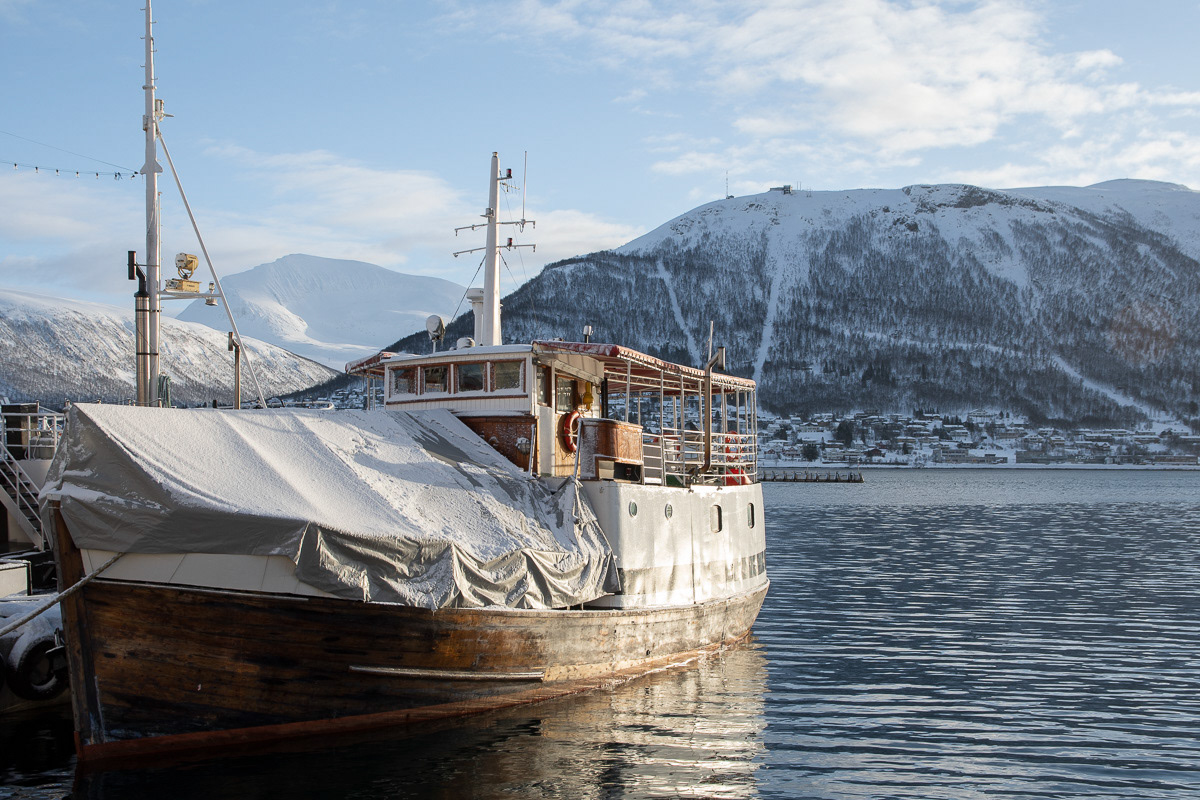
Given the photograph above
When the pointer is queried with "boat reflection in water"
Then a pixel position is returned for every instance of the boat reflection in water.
(695, 731)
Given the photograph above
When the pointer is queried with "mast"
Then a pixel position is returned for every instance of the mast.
(486, 304)
(489, 330)
(147, 390)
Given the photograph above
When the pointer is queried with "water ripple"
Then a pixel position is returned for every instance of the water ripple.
(928, 635)
(966, 637)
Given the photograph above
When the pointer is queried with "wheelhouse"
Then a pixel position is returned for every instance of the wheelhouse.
(596, 411)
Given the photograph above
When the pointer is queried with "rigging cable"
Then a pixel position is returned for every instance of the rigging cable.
(212, 271)
(519, 256)
(468, 289)
(68, 152)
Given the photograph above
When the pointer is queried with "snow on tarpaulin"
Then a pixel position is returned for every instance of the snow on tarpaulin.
(411, 508)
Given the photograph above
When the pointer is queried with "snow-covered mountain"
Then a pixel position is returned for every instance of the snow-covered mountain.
(53, 350)
(326, 309)
(1059, 302)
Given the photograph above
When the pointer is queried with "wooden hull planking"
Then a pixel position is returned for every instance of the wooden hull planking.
(167, 668)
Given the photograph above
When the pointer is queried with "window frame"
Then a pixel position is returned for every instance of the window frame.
(574, 383)
(484, 377)
(519, 389)
(425, 368)
(415, 382)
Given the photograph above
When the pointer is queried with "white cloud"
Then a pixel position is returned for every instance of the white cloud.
(768, 126)
(565, 233)
(1150, 154)
(888, 78)
(906, 77)
(1097, 60)
(69, 236)
(42, 206)
(85, 224)
(691, 162)
(632, 96)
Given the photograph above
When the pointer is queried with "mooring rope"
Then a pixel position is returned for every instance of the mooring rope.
(58, 598)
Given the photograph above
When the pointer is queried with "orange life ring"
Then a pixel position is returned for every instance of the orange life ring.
(567, 433)
(736, 477)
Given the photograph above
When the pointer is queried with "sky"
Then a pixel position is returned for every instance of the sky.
(364, 130)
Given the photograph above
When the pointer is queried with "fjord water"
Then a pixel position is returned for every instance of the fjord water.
(1002, 634)
(928, 634)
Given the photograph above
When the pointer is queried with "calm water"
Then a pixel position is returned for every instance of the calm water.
(929, 634)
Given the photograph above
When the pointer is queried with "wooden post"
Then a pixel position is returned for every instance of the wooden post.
(84, 692)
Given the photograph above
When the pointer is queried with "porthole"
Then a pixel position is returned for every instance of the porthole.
(714, 519)
(632, 509)
(750, 515)
(668, 511)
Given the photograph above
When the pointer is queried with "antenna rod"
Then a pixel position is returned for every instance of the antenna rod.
(151, 169)
(524, 187)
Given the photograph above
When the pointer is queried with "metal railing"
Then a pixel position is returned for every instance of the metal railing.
(32, 434)
(22, 492)
(28, 436)
(734, 457)
(652, 459)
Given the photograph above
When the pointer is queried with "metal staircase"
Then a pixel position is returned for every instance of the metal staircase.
(28, 432)
(20, 496)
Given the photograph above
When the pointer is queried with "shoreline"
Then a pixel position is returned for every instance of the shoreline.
(814, 467)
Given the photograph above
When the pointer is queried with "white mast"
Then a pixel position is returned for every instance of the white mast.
(148, 299)
(489, 330)
(148, 393)
(487, 315)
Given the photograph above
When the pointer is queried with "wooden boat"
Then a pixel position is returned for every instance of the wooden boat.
(519, 522)
(173, 650)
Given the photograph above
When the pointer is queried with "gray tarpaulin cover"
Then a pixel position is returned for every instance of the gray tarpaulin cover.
(411, 508)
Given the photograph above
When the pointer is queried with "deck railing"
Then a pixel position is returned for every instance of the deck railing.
(734, 457)
(27, 436)
(32, 435)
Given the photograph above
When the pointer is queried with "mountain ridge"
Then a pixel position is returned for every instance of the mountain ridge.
(53, 350)
(329, 310)
(934, 295)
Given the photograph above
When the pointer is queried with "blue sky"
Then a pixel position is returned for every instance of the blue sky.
(363, 130)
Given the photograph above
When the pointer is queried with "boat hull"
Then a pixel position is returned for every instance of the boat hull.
(160, 668)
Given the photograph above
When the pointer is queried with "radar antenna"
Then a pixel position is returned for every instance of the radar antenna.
(435, 326)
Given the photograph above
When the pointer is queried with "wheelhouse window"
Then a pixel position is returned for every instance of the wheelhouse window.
(506, 375)
(564, 393)
(404, 381)
(544, 386)
(469, 377)
(435, 379)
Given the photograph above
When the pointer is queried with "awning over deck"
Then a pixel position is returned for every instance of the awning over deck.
(642, 371)
(370, 365)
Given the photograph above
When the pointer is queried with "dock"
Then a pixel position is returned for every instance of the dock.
(792, 475)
